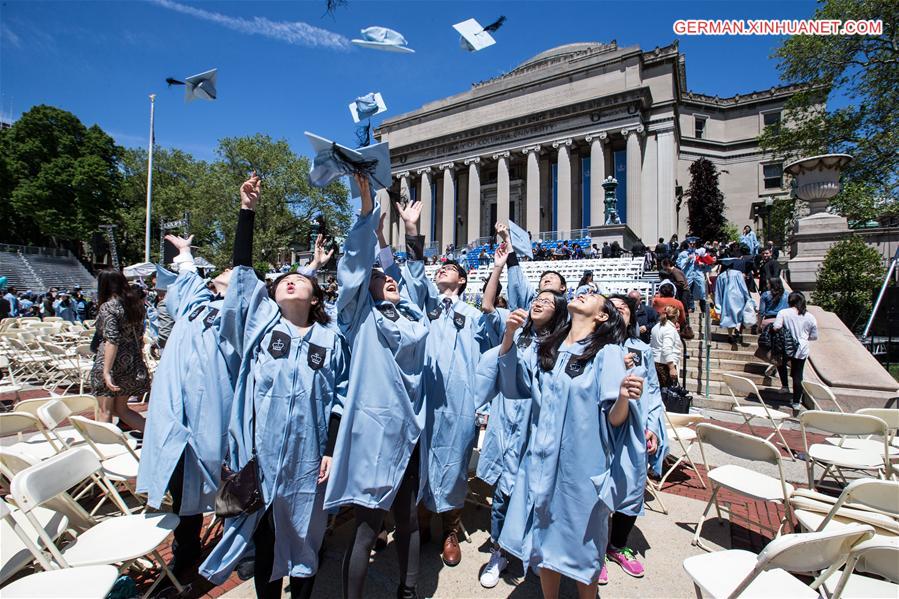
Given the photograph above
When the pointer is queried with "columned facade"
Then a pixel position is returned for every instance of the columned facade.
(535, 144)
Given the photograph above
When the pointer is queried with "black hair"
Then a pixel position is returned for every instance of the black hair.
(587, 278)
(553, 272)
(630, 327)
(560, 317)
(610, 331)
(317, 312)
(776, 287)
(499, 289)
(462, 273)
(665, 290)
(112, 283)
(797, 300)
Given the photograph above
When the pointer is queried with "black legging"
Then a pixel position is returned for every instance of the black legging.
(368, 525)
(264, 539)
(186, 547)
(621, 528)
(797, 365)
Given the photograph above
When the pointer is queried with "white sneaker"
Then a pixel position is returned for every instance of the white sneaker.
(495, 567)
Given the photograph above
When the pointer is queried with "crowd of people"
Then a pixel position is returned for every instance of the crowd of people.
(371, 403)
(72, 306)
(277, 403)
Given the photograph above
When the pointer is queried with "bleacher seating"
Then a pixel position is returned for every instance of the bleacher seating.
(39, 269)
(473, 256)
(613, 275)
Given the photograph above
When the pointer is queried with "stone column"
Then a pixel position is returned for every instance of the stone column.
(448, 230)
(474, 198)
(532, 212)
(424, 226)
(563, 188)
(665, 181)
(387, 208)
(597, 175)
(502, 187)
(400, 238)
(634, 168)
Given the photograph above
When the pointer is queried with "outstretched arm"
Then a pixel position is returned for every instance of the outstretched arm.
(488, 304)
(243, 239)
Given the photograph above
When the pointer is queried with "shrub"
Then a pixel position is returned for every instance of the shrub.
(850, 274)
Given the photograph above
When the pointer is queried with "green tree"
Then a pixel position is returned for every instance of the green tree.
(60, 179)
(851, 272)
(861, 71)
(705, 202)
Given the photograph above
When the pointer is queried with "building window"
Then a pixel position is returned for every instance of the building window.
(772, 174)
(700, 126)
(771, 119)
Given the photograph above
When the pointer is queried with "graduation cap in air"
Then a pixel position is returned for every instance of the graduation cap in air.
(382, 38)
(474, 36)
(333, 161)
(692, 239)
(521, 243)
(197, 87)
(367, 106)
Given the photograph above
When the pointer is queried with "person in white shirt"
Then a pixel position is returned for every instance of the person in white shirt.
(666, 346)
(804, 328)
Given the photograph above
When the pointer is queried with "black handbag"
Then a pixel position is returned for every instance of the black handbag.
(240, 492)
(677, 400)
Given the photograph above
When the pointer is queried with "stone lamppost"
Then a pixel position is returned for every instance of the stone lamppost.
(817, 181)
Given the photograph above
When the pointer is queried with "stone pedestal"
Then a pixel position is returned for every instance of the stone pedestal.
(620, 233)
(815, 234)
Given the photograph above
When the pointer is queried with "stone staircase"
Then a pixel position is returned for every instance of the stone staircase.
(724, 356)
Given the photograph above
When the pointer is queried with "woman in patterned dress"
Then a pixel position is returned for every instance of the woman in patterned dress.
(119, 370)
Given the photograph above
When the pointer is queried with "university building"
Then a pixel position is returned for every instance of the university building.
(535, 144)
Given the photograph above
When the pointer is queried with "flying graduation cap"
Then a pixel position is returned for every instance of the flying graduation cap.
(382, 38)
(367, 106)
(474, 37)
(333, 161)
(197, 87)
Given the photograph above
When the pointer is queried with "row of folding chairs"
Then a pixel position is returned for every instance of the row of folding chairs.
(83, 561)
(43, 360)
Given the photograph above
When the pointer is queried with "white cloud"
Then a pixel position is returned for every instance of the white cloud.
(9, 36)
(292, 32)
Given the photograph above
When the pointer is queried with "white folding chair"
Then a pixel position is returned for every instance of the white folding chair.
(864, 501)
(743, 481)
(740, 386)
(10, 385)
(119, 540)
(876, 556)
(888, 415)
(821, 396)
(677, 428)
(737, 573)
(13, 427)
(835, 459)
(119, 466)
(18, 536)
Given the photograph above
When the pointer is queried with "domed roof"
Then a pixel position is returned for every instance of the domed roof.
(561, 50)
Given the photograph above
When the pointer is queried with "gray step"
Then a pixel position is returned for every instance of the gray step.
(713, 402)
(694, 344)
(769, 393)
(742, 354)
(740, 364)
(753, 372)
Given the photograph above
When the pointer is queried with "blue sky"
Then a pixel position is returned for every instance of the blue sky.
(286, 67)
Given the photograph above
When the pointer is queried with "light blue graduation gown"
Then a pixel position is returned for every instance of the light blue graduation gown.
(731, 296)
(519, 290)
(630, 462)
(558, 515)
(456, 339)
(384, 414)
(190, 402)
(507, 426)
(750, 241)
(294, 382)
(694, 272)
(67, 313)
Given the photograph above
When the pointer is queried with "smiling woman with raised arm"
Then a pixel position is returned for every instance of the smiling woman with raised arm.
(287, 404)
(558, 514)
(377, 458)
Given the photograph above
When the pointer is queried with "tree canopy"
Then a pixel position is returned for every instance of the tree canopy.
(858, 74)
(61, 180)
(847, 279)
(705, 202)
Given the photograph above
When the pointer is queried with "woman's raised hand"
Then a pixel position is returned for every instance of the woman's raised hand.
(249, 192)
(410, 215)
(181, 243)
(320, 255)
(631, 387)
(502, 230)
(516, 320)
(500, 255)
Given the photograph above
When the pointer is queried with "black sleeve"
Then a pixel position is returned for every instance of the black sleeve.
(512, 260)
(415, 247)
(243, 238)
(333, 427)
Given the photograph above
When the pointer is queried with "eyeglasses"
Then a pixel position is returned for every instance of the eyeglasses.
(543, 301)
(447, 267)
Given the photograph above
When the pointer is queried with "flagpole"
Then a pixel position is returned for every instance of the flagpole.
(149, 180)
